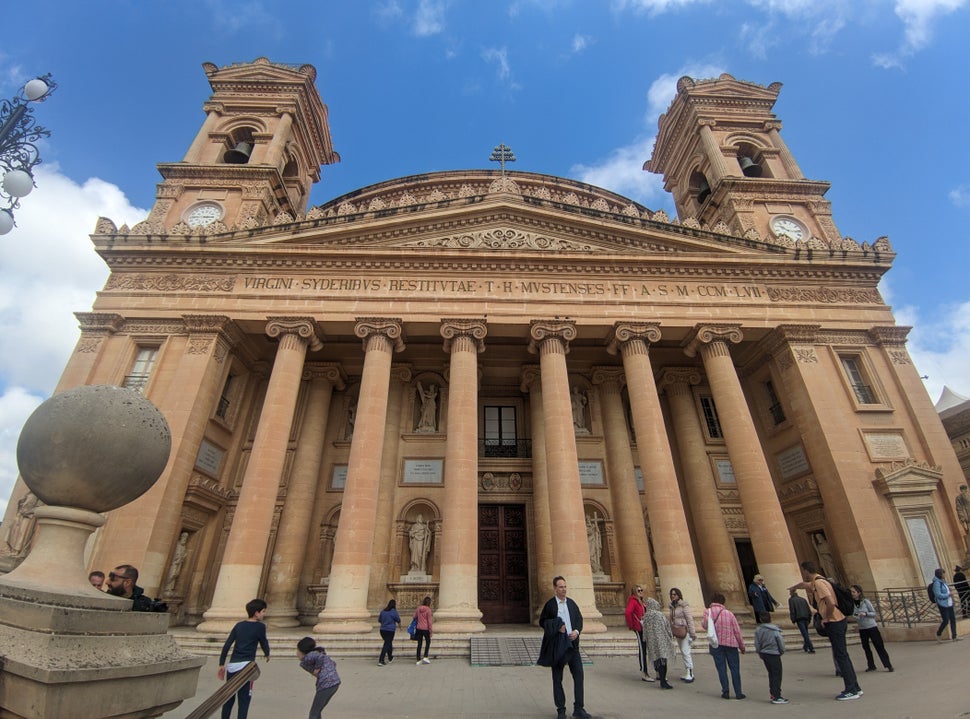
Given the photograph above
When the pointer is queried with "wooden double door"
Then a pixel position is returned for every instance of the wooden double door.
(503, 564)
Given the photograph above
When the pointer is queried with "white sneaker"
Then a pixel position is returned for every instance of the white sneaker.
(425, 661)
(419, 663)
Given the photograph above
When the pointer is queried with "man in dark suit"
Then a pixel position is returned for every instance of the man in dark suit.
(561, 623)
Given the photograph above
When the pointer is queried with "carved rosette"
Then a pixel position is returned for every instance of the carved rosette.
(304, 328)
(458, 332)
(635, 337)
(712, 338)
(551, 335)
(391, 329)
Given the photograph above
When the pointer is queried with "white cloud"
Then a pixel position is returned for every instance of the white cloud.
(918, 18)
(622, 170)
(499, 56)
(939, 343)
(960, 196)
(429, 18)
(580, 42)
(48, 271)
(654, 7)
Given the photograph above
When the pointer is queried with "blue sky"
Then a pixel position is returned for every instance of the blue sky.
(875, 102)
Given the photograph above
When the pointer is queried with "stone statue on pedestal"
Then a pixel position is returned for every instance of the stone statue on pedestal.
(419, 542)
(595, 541)
(428, 421)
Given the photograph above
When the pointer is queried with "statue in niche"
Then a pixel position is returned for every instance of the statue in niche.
(595, 541)
(429, 408)
(351, 419)
(22, 528)
(579, 402)
(825, 559)
(963, 508)
(419, 542)
(178, 559)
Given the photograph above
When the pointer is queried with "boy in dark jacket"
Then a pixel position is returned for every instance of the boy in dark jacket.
(770, 645)
(314, 659)
(244, 638)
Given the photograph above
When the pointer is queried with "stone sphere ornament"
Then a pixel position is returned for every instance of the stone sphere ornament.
(95, 447)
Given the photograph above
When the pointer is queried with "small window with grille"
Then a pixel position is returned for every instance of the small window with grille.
(711, 422)
(141, 369)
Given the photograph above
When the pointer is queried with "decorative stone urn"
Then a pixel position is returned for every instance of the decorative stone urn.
(69, 650)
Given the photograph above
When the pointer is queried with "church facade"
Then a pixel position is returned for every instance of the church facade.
(463, 383)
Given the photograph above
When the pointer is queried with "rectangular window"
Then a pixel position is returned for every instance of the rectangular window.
(222, 411)
(501, 439)
(857, 380)
(711, 422)
(774, 405)
(141, 368)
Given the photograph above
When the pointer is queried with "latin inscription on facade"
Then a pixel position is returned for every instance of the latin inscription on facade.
(338, 480)
(662, 291)
(792, 462)
(209, 458)
(885, 445)
(591, 473)
(423, 471)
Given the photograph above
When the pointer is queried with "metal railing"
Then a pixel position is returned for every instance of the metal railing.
(907, 606)
(505, 448)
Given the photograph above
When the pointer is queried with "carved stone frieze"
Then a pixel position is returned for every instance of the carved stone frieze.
(504, 482)
(503, 239)
(805, 355)
(199, 346)
(171, 282)
(154, 327)
(826, 295)
(107, 322)
(846, 337)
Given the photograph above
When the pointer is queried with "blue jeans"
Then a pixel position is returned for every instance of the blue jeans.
(949, 617)
(728, 658)
(244, 695)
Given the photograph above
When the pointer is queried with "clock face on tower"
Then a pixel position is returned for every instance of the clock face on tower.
(788, 227)
(202, 214)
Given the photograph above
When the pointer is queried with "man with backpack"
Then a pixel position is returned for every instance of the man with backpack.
(823, 597)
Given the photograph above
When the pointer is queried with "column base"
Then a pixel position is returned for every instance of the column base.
(219, 621)
(283, 620)
(347, 621)
(463, 620)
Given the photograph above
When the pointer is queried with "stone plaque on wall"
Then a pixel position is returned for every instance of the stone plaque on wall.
(338, 479)
(793, 462)
(884, 446)
(423, 471)
(591, 473)
(209, 459)
(919, 532)
(725, 472)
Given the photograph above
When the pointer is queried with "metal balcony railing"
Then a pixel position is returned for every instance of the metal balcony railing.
(136, 382)
(505, 448)
(908, 606)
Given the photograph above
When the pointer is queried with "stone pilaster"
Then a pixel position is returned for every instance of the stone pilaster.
(674, 555)
(346, 610)
(289, 553)
(458, 593)
(532, 383)
(636, 563)
(713, 539)
(570, 552)
(242, 563)
(759, 500)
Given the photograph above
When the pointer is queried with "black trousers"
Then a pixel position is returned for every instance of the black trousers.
(575, 663)
(873, 635)
(840, 653)
(773, 665)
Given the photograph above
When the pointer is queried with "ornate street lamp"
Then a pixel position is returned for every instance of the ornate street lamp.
(18, 153)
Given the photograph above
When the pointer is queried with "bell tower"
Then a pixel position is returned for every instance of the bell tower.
(258, 153)
(722, 157)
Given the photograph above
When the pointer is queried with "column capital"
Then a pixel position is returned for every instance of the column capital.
(388, 327)
(624, 332)
(530, 376)
(303, 327)
(541, 331)
(609, 375)
(332, 372)
(706, 122)
(711, 334)
(402, 373)
(770, 125)
(108, 322)
(474, 329)
(671, 376)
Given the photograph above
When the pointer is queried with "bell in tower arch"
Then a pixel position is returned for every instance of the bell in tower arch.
(239, 155)
(749, 168)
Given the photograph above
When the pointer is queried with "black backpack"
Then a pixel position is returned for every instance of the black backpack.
(930, 592)
(843, 598)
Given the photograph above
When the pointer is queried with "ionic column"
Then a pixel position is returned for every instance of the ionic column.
(634, 549)
(713, 539)
(274, 153)
(346, 611)
(289, 553)
(718, 168)
(570, 552)
(532, 384)
(242, 562)
(759, 499)
(458, 593)
(787, 159)
(674, 554)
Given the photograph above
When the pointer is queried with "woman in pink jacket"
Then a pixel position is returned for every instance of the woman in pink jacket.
(423, 630)
(730, 642)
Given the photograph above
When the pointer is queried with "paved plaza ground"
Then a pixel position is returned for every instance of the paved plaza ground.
(931, 680)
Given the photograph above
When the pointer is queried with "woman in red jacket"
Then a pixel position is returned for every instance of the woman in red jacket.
(634, 619)
(423, 630)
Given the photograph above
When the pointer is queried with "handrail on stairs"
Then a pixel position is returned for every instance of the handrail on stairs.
(248, 673)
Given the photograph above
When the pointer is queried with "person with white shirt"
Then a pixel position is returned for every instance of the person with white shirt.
(562, 623)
